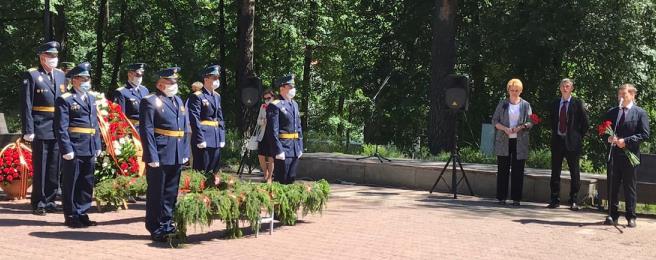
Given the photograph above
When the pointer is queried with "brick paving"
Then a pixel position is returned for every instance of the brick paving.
(361, 222)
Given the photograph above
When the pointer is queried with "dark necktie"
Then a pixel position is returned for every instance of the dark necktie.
(562, 121)
(621, 122)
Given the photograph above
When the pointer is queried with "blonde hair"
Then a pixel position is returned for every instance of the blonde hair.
(630, 87)
(196, 86)
(515, 83)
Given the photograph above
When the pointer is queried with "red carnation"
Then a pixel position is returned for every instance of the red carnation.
(124, 166)
(535, 119)
(10, 178)
(604, 128)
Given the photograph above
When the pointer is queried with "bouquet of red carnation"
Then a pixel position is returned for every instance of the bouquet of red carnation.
(605, 128)
(535, 119)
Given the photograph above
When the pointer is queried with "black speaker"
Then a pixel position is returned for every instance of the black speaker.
(250, 95)
(456, 95)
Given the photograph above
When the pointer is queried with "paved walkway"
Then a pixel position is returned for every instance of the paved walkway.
(360, 223)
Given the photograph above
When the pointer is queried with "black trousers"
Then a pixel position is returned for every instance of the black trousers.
(162, 194)
(284, 171)
(623, 174)
(77, 185)
(207, 159)
(45, 159)
(504, 164)
(558, 153)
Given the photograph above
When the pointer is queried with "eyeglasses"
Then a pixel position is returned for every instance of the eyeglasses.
(267, 98)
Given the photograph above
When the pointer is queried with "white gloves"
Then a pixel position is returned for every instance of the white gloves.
(201, 145)
(221, 144)
(97, 153)
(280, 156)
(69, 156)
(185, 160)
(300, 154)
(28, 137)
(153, 164)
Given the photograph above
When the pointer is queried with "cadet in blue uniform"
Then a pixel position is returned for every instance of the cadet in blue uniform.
(41, 86)
(129, 96)
(207, 126)
(66, 67)
(284, 132)
(78, 136)
(163, 122)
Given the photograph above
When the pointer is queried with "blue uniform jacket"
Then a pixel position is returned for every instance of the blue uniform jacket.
(129, 97)
(206, 106)
(283, 117)
(70, 112)
(38, 102)
(158, 111)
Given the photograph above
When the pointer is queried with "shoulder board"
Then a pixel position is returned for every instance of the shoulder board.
(149, 96)
(121, 88)
(66, 95)
(32, 69)
(198, 93)
(275, 102)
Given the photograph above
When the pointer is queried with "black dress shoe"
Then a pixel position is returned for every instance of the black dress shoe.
(632, 223)
(516, 203)
(159, 237)
(39, 211)
(52, 209)
(553, 205)
(73, 222)
(501, 202)
(84, 219)
(574, 207)
(610, 221)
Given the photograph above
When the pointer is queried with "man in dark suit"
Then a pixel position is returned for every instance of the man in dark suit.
(77, 132)
(284, 132)
(568, 127)
(163, 123)
(41, 86)
(631, 124)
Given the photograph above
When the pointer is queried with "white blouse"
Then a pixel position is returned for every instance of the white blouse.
(513, 116)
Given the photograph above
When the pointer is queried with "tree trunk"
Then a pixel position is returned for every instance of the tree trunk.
(60, 29)
(246, 28)
(443, 59)
(340, 113)
(47, 24)
(307, 64)
(118, 59)
(222, 42)
(100, 30)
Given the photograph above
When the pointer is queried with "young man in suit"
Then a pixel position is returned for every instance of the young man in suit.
(568, 127)
(631, 124)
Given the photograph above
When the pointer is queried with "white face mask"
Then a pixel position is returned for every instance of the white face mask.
(136, 81)
(216, 84)
(292, 93)
(52, 62)
(85, 86)
(171, 90)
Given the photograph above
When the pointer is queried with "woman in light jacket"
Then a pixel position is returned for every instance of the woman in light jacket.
(512, 122)
(263, 150)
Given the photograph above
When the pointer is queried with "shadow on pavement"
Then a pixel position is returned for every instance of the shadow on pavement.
(88, 235)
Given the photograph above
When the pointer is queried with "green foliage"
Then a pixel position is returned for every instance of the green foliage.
(113, 193)
(233, 200)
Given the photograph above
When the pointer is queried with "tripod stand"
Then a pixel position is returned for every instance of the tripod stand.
(246, 159)
(453, 159)
(371, 117)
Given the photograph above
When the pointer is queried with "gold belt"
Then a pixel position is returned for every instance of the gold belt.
(210, 123)
(44, 109)
(288, 136)
(170, 133)
(134, 121)
(82, 130)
